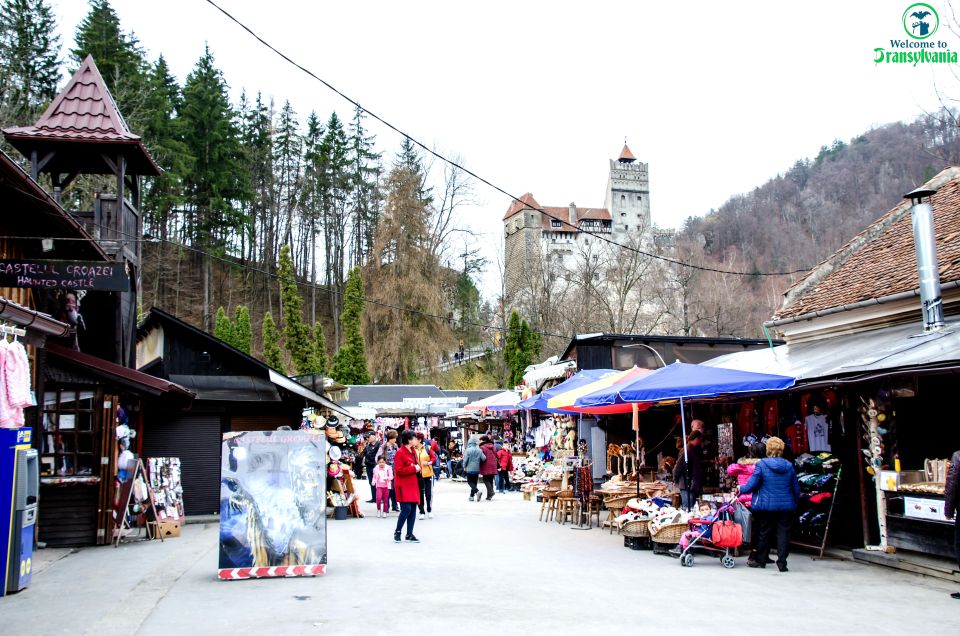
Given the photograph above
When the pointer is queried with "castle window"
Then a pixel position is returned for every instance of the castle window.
(623, 199)
(639, 197)
(623, 214)
(595, 258)
(554, 223)
(626, 228)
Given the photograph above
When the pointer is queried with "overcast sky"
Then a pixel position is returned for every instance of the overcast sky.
(717, 97)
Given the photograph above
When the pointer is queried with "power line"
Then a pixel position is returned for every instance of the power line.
(477, 176)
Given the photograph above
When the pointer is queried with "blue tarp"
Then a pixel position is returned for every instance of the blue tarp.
(539, 402)
(686, 381)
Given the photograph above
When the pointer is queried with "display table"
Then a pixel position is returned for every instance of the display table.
(916, 522)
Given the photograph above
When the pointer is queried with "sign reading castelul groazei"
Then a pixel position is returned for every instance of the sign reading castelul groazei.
(920, 23)
(64, 275)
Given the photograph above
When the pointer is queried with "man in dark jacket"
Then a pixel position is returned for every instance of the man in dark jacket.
(370, 461)
(688, 473)
(952, 499)
(776, 492)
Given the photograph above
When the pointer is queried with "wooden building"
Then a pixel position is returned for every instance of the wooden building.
(234, 392)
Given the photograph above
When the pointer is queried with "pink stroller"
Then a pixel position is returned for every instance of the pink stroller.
(714, 538)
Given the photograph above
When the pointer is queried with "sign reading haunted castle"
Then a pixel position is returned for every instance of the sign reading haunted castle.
(64, 275)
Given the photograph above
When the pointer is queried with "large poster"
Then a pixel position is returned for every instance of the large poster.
(273, 504)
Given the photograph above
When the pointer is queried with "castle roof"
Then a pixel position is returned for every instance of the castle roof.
(626, 156)
(526, 202)
(550, 214)
(83, 118)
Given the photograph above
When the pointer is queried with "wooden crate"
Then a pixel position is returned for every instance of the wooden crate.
(169, 529)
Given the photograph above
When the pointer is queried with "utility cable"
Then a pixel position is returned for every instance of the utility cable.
(479, 178)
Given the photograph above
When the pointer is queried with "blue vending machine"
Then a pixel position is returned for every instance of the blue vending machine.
(19, 487)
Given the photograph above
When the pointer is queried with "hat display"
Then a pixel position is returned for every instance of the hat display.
(334, 470)
(335, 453)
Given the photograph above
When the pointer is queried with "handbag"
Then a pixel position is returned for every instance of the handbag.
(743, 517)
(727, 534)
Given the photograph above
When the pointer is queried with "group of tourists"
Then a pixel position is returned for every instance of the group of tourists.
(483, 460)
(401, 471)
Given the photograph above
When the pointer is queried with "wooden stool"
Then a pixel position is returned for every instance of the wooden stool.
(592, 509)
(566, 507)
(548, 496)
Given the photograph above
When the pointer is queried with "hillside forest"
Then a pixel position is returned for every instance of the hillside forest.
(289, 234)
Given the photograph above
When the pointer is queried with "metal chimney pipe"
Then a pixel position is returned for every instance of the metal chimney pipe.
(925, 243)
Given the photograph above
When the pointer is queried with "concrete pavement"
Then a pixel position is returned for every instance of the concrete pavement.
(482, 568)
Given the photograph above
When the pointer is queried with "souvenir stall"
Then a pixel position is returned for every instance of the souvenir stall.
(342, 498)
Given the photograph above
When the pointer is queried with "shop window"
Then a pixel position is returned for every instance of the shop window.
(70, 436)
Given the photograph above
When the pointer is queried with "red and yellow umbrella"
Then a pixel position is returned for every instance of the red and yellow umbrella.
(565, 401)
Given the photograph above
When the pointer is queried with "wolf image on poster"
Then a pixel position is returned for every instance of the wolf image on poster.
(273, 504)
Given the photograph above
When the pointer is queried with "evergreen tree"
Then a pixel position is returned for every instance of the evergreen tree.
(317, 361)
(242, 329)
(466, 308)
(311, 201)
(335, 186)
(223, 327)
(119, 57)
(365, 176)
(216, 187)
(287, 157)
(296, 333)
(272, 355)
(512, 346)
(350, 362)
(29, 60)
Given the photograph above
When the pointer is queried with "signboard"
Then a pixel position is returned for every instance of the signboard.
(65, 275)
(273, 490)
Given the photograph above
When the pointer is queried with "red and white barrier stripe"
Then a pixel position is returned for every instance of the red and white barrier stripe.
(233, 574)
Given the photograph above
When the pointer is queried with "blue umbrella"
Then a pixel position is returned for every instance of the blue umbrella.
(680, 381)
(539, 402)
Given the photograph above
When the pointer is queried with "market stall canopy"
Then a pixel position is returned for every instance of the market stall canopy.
(570, 398)
(505, 401)
(685, 381)
(887, 351)
(536, 375)
(539, 402)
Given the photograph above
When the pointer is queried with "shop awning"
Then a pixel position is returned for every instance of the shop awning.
(850, 357)
(284, 382)
(130, 378)
(540, 374)
(229, 388)
(685, 381)
(361, 413)
(505, 401)
(30, 319)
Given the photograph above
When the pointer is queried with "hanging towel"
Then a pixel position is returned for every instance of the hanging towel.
(6, 413)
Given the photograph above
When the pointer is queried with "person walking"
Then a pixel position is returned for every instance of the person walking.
(427, 459)
(406, 469)
(389, 450)
(382, 477)
(370, 461)
(688, 472)
(505, 462)
(776, 492)
(743, 470)
(472, 459)
(488, 469)
(952, 500)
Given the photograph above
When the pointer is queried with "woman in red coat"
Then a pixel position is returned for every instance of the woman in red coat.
(406, 468)
(488, 469)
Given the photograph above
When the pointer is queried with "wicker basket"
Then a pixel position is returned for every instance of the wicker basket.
(638, 528)
(670, 534)
(616, 503)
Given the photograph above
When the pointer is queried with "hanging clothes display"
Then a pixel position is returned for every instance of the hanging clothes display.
(14, 383)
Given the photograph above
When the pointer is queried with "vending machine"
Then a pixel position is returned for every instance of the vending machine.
(19, 488)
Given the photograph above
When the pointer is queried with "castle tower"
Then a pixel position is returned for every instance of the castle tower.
(522, 234)
(628, 195)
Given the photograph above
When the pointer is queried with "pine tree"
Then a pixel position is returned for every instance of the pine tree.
(311, 201)
(29, 60)
(242, 329)
(287, 163)
(272, 355)
(119, 57)
(216, 187)
(223, 327)
(335, 185)
(296, 334)
(365, 176)
(350, 362)
(512, 346)
(317, 361)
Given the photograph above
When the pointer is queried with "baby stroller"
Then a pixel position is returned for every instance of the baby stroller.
(714, 538)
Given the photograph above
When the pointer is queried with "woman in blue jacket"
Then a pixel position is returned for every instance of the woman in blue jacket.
(776, 492)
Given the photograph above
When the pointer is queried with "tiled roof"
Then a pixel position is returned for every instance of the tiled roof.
(525, 202)
(84, 111)
(563, 214)
(881, 260)
(626, 155)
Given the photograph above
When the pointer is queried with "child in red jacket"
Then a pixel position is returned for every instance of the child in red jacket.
(504, 465)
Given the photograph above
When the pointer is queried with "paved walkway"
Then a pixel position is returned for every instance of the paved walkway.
(482, 568)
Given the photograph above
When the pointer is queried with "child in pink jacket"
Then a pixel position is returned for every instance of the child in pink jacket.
(744, 468)
(382, 481)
